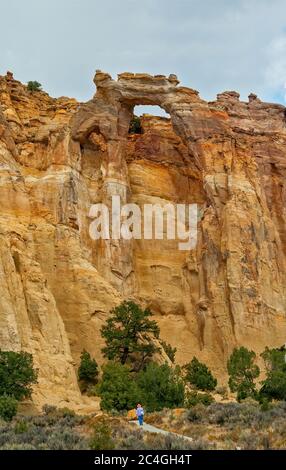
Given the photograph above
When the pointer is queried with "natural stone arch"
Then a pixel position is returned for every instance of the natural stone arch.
(108, 115)
(111, 108)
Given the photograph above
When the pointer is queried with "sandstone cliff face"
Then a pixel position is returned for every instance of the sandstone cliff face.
(57, 285)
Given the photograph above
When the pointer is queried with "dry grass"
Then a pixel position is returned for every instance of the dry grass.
(229, 425)
(219, 426)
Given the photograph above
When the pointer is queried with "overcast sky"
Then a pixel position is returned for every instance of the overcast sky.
(212, 45)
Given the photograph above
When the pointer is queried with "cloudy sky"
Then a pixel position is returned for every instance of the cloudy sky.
(212, 45)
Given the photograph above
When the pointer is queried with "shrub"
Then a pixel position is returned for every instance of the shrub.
(128, 334)
(135, 125)
(201, 444)
(87, 371)
(127, 437)
(249, 440)
(58, 416)
(196, 413)
(21, 427)
(67, 413)
(169, 442)
(194, 398)
(264, 403)
(63, 438)
(242, 372)
(223, 413)
(117, 389)
(246, 414)
(274, 386)
(49, 409)
(18, 447)
(132, 443)
(101, 438)
(8, 407)
(16, 374)
(160, 387)
(171, 352)
(52, 431)
(132, 438)
(199, 375)
(34, 86)
(274, 359)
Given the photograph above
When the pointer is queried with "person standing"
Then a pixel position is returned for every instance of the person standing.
(140, 414)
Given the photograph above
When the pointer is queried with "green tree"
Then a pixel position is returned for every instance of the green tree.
(242, 371)
(274, 386)
(160, 387)
(16, 374)
(199, 375)
(87, 371)
(171, 352)
(193, 398)
(8, 407)
(34, 86)
(135, 125)
(117, 389)
(129, 334)
(274, 359)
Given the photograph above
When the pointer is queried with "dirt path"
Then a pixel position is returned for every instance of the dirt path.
(149, 428)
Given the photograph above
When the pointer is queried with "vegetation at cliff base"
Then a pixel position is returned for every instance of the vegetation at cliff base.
(8, 407)
(171, 352)
(129, 334)
(176, 399)
(199, 375)
(132, 375)
(87, 371)
(173, 399)
(194, 398)
(117, 389)
(157, 386)
(17, 376)
(160, 387)
(274, 386)
(242, 372)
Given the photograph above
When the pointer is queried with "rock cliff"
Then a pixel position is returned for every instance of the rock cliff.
(58, 157)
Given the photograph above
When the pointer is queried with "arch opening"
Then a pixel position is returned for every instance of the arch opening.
(141, 111)
(154, 110)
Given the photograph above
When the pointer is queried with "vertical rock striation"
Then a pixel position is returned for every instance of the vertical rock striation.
(58, 157)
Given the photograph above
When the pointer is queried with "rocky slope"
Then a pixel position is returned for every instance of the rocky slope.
(57, 285)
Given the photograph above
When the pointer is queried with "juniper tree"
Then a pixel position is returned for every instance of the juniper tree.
(129, 334)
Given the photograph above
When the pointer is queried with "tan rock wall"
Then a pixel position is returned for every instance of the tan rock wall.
(57, 285)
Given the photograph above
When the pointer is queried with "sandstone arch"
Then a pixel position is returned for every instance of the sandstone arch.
(108, 114)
